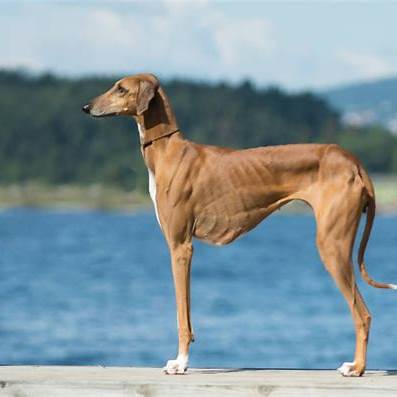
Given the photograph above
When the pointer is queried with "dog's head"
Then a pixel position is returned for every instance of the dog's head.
(128, 96)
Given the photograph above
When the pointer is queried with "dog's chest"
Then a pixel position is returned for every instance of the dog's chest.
(152, 192)
(152, 180)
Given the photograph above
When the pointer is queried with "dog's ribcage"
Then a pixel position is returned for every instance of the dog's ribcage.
(236, 193)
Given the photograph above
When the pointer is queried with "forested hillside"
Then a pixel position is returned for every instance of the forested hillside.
(44, 136)
(367, 102)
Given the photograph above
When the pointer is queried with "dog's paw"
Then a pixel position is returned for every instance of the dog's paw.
(176, 367)
(349, 369)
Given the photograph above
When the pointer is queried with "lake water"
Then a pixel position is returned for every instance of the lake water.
(95, 288)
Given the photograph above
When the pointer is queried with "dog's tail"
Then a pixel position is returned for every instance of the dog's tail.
(370, 209)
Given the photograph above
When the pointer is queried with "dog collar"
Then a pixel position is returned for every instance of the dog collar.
(144, 145)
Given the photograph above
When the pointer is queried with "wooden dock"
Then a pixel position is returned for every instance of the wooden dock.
(56, 381)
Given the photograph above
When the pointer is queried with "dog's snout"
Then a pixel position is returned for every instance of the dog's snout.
(86, 108)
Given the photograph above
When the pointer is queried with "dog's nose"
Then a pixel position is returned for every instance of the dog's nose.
(86, 108)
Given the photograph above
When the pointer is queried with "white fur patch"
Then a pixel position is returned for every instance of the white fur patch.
(152, 192)
(347, 369)
(141, 131)
(178, 366)
(393, 286)
(152, 179)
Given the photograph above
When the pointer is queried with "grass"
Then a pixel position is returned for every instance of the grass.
(111, 198)
(386, 192)
(71, 196)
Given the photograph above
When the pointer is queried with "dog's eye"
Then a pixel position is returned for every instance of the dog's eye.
(121, 90)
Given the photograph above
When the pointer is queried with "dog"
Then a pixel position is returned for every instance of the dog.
(217, 194)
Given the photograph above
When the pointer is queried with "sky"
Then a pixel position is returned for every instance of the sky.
(296, 45)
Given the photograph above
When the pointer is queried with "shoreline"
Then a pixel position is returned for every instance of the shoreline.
(106, 198)
(71, 197)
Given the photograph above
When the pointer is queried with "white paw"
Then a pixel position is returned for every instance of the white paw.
(348, 369)
(176, 367)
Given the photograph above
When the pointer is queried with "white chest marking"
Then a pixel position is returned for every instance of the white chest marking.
(152, 192)
(152, 180)
(140, 129)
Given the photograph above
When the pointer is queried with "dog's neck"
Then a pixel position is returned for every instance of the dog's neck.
(156, 126)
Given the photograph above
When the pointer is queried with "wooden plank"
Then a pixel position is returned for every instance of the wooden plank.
(55, 381)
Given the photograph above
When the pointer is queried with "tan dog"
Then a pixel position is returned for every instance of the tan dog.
(217, 194)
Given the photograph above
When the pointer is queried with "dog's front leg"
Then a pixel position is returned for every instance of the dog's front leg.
(181, 257)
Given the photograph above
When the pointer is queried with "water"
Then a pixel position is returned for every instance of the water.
(94, 288)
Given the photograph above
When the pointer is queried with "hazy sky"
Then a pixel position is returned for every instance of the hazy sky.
(293, 44)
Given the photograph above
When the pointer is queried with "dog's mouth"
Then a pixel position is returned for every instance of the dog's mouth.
(101, 115)
(97, 113)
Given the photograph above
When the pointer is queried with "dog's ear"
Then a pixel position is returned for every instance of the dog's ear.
(146, 92)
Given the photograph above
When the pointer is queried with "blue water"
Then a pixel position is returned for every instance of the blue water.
(95, 288)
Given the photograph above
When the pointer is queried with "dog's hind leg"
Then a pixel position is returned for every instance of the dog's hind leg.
(337, 224)
(181, 256)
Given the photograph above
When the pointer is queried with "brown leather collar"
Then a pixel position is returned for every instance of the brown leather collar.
(144, 145)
